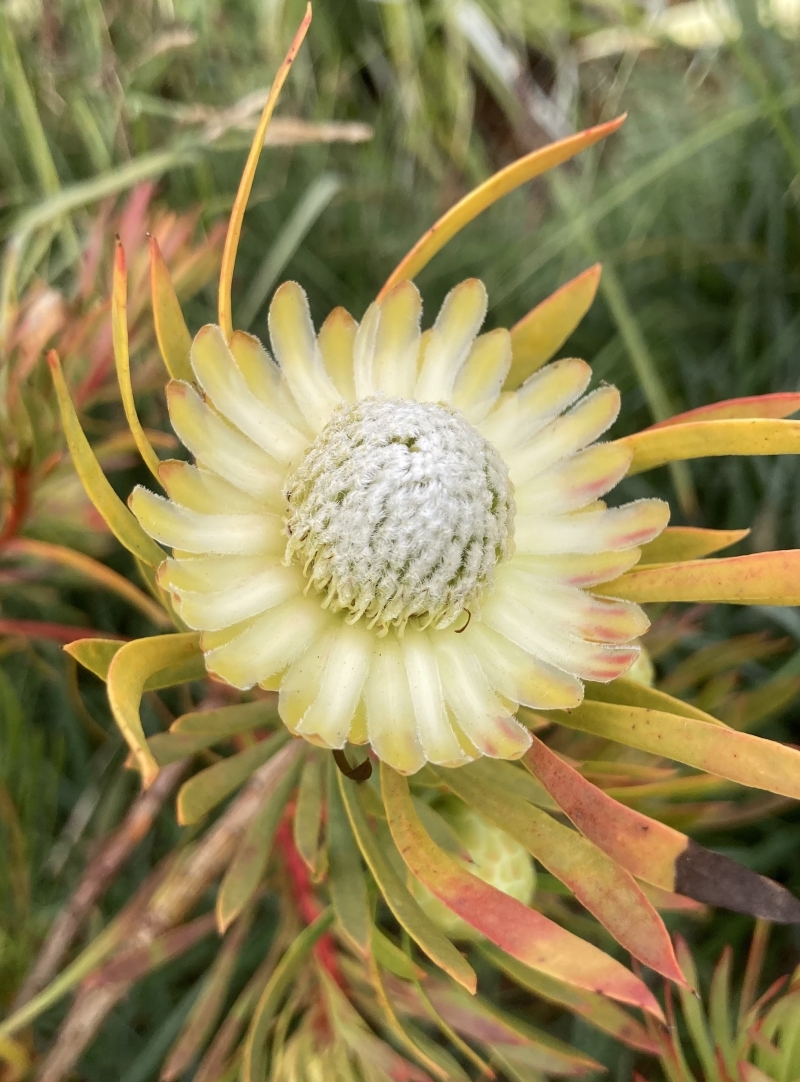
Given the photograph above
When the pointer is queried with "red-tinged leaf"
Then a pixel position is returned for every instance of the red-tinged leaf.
(765, 578)
(544, 330)
(128, 673)
(515, 928)
(132, 965)
(708, 439)
(405, 908)
(476, 201)
(653, 851)
(782, 404)
(750, 1073)
(597, 1010)
(687, 543)
(601, 885)
(667, 901)
(49, 632)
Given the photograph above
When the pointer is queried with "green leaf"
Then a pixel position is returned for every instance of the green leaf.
(597, 1010)
(630, 693)
(205, 790)
(108, 504)
(346, 880)
(389, 955)
(397, 896)
(227, 721)
(130, 668)
(254, 1060)
(308, 815)
(247, 868)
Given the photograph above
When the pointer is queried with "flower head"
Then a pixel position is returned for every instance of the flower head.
(374, 528)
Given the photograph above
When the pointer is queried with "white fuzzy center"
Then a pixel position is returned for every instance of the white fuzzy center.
(400, 509)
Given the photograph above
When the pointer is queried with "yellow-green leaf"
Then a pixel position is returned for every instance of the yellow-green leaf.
(390, 956)
(174, 339)
(122, 360)
(688, 543)
(346, 879)
(544, 330)
(397, 896)
(110, 507)
(249, 863)
(246, 181)
(631, 693)
(227, 721)
(704, 439)
(308, 815)
(128, 672)
(205, 790)
(482, 197)
(764, 578)
(254, 1058)
(715, 749)
(94, 654)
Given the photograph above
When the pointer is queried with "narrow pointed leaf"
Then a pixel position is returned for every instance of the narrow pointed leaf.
(517, 929)
(308, 814)
(174, 339)
(655, 852)
(630, 693)
(346, 880)
(404, 907)
(254, 1059)
(687, 543)
(208, 1006)
(227, 721)
(108, 504)
(392, 958)
(122, 360)
(246, 181)
(544, 330)
(765, 578)
(783, 404)
(740, 757)
(205, 790)
(601, 885)
(130, 667)
(703, 439)
(94, 654)
(503, 182)
(91, 569)
(249, 863)
(597, 1010)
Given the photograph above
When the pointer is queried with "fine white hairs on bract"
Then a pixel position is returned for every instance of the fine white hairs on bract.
(400, 509)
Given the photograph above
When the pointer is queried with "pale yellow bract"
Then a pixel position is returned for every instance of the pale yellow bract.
(421, 687)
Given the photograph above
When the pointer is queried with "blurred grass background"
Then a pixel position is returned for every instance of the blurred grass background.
(393, 110)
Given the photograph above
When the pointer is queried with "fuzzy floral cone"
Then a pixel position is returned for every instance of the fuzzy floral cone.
(403, 535)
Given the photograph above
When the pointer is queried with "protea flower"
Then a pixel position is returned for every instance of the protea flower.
(402, 534)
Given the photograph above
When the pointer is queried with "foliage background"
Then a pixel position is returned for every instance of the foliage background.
(694, 209)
